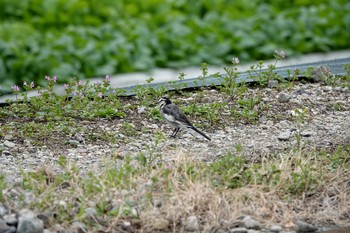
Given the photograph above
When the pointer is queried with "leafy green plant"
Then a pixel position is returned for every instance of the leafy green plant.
(128, 129)
(153, 155)
(229, 81)
(262, 77)
(155, 114)
(46, 116)
(227, 172)
(210, 112)
(347, 68)
(247, 109)
(64, 41)
(179, 84)
(3, 185)
(301, 116)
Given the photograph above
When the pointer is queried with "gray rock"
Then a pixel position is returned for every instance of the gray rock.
(6, 153)
(11, 219)
(299, 92)
(26, 213)
(30, 225)
(251, 223)
(192, 223)
(157, 203)
(28, 197)
(3, 210)
(283, 97)
(239, 230)
(141, 109)
(262, 119)
(321, 73)
(47, 231)
(253, 231)
(126, 226)
(306, 133)
(3, 226)
(90, 211)
(9, 144)
(153, 126)
(161, 224)
(45, 217)
(12, 230)
(78, 137)
(218, 230)
(297, 101)
(272, 83)
(134, 213)
(58, 228)
(284, 136)
(8, 137)
(301, 226)
(73, 142)
(269, 123)
(275, 228)
(79, 227)
(327, 88)
(124, 192)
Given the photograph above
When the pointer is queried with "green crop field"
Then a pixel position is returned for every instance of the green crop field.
(84, 38)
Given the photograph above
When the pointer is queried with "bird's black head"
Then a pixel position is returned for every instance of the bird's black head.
(165, 100)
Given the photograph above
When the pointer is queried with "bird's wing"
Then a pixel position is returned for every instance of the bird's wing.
(176, 114)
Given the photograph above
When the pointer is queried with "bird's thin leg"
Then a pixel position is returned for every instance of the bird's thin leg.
(172, 133)
(175, 132)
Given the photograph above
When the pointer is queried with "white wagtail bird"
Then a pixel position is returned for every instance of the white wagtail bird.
(175, 117)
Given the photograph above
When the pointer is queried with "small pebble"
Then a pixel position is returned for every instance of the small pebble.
(192, 223)
(283, 97)
(9, 144)
(284, 136)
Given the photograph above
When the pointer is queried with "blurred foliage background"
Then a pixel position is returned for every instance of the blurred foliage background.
(89, 38)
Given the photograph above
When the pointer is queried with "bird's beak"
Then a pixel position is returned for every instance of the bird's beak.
(155, 103)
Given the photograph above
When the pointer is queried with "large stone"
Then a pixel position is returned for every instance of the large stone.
(30, 225)
(275, 228)
(306, 133)
(9, 144)
(272, 83)
(78, 227)
(73, 142)
(26, 213)
(284, 136)
(301, 226)
(11, 219)
(283, 97)
(251, 223)
(238, 230)
(3, 210)
(192, 223)
(78, 137)
(90, 211)
(161, 224)
(3, 226)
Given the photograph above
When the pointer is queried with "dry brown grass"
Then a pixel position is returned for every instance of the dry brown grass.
(184, 187)
(327, 202)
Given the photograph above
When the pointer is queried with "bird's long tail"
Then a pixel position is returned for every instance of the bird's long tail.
(201, 133)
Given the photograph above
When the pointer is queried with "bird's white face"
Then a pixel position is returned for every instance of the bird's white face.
(162, 101)
(161, 104)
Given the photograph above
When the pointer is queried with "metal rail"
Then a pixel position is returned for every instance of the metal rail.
(336, 67)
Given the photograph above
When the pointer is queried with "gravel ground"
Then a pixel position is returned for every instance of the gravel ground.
(327, 127)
